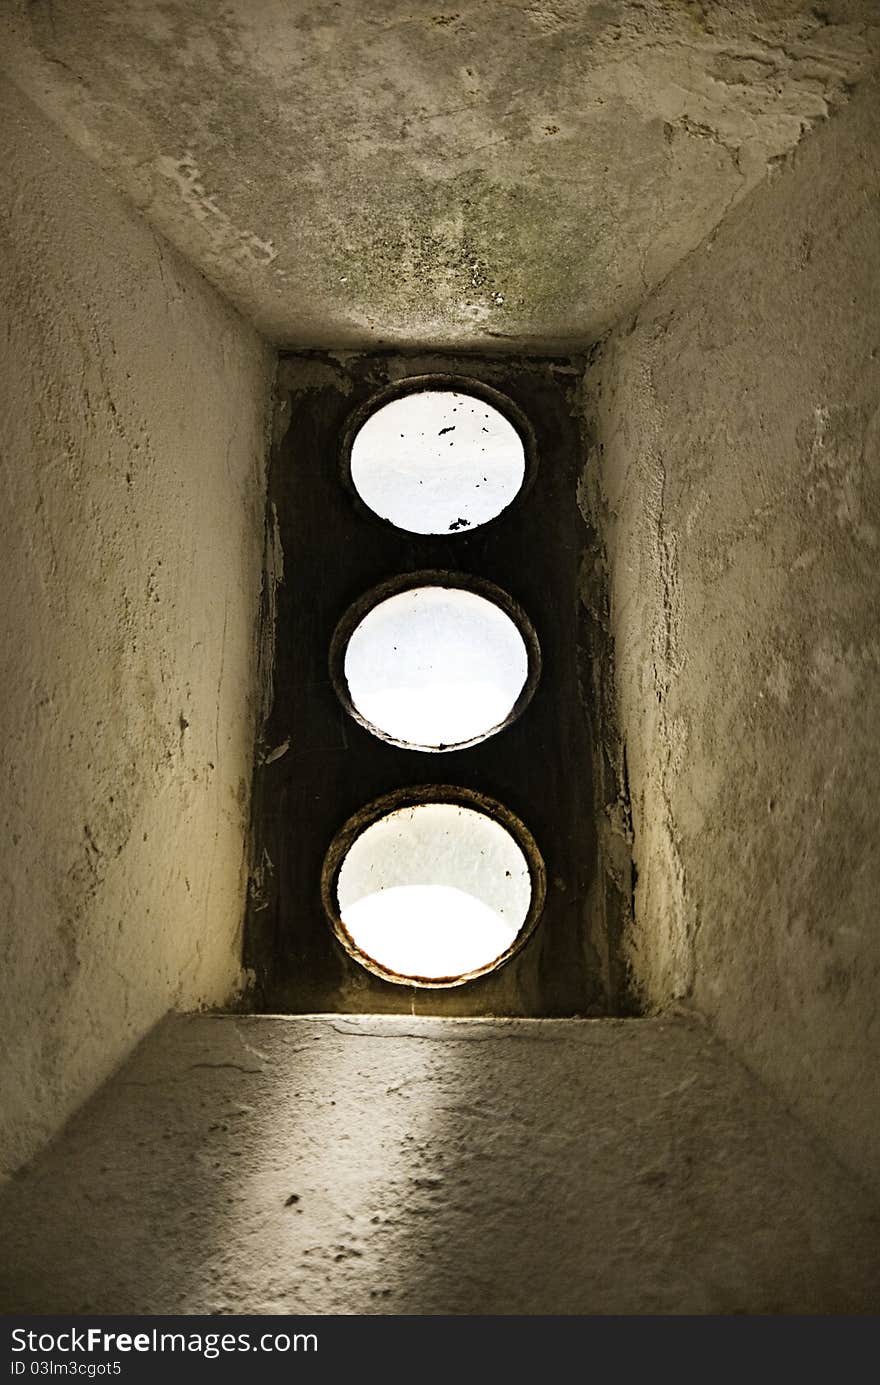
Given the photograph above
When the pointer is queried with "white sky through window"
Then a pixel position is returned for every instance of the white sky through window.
(437, 462)
(436, 666)
(435, 890)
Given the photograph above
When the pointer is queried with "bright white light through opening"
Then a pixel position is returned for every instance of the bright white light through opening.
(437, 462)
(433, 891)
(436, 667)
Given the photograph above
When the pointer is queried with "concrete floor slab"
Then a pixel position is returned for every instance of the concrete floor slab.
(360, 1165)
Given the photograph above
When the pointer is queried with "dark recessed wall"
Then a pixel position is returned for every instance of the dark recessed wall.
(319, 766)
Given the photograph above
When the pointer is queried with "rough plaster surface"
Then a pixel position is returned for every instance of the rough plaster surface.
(483, 172)
(740, 421)
(348, 1164)
(131, 472)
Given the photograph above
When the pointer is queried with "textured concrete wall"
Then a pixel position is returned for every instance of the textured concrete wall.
(354, 1164)
(485, 173)
(739, 426)
(131, 464)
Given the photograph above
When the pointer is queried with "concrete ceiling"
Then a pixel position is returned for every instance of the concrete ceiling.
(466, 173)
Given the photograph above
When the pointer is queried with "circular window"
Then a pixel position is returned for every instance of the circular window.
(435, 661)
(438, 460)
(433, 887)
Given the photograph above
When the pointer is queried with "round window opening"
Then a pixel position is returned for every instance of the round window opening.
(437, 461)
(435, 662)
(434, 892)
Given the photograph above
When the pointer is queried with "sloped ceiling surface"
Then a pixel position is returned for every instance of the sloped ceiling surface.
(473, 173)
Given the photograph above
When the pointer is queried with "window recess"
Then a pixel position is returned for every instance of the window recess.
(427, 753)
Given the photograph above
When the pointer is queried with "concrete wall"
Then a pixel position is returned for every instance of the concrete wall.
(739, 425)
(484, 174)
(131, 465)
(390, 1164)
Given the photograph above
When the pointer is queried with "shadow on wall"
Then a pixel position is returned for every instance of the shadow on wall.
(354, 1165)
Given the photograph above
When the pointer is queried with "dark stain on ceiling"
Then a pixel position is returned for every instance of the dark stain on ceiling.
(476, 174)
